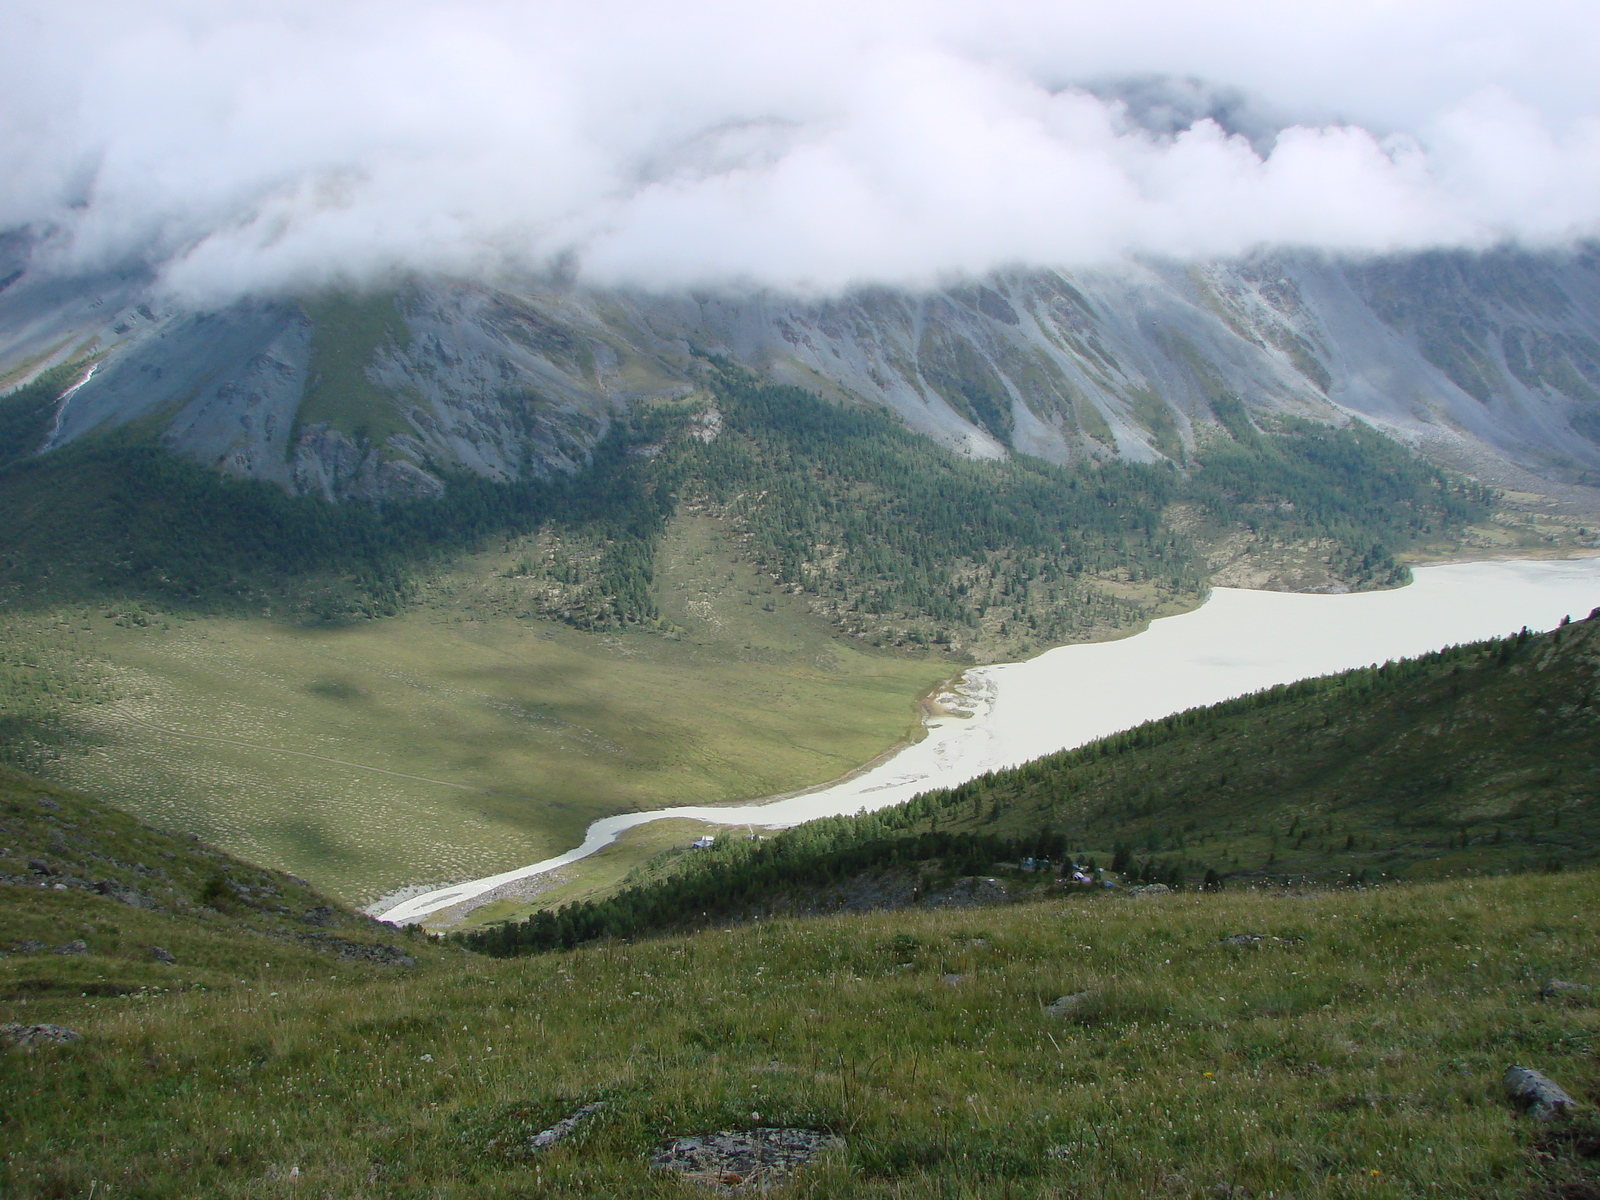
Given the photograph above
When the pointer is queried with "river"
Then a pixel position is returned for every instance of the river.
(1237, 642)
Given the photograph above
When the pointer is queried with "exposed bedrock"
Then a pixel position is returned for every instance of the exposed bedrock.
(1485, 362)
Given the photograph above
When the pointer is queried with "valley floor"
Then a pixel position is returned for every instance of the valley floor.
(458, 738)
(463, 737)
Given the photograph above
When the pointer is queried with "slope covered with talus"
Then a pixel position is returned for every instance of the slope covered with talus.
(1489, 363)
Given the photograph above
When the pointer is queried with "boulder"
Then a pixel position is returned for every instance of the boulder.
(162, 956)
(1536, 1094)
(1145, 891)
(37, 1035)
(744, 1161)
(1065, 1006)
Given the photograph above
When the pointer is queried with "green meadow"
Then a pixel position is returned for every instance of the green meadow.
(1354, 1050)
(457, 739)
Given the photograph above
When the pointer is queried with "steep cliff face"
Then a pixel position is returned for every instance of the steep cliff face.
(1486, 362)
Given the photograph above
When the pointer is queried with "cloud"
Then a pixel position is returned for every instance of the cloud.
(267, 144)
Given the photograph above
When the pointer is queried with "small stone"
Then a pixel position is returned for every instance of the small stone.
(37, 1035)
(161, 955)
(1540, 1096)
(73, 947)
(546, 1138)
(1568, 993)
(1244, 939)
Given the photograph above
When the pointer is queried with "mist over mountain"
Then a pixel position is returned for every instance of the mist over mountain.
(275, 146)
(1488, 363)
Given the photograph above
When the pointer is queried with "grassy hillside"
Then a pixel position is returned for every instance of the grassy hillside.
(1351, 1045)
(1477, 759)
(100, 907)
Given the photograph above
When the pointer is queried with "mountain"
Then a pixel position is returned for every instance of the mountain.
(1488, 363)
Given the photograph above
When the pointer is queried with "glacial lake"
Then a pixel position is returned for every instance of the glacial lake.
(1238, 641)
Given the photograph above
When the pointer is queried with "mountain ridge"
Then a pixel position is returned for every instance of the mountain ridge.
(1484, 362)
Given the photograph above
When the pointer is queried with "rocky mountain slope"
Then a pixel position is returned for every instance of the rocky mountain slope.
(1489, 363)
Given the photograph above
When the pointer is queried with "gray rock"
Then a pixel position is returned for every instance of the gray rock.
(320, 915)
(73, 947)
(1065, 1006)
(968, 892)
(37, 1035)
(161, 955)
(1149, 889)
(1244, 939)
(388, 956)
(30, 946)
(1537, 1094)
(124, 892)
(1561, 990)
(48, 804)
(738, 1161)
(349, 951)
(546, 1138)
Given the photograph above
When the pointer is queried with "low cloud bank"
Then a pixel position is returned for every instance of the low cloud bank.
(242, 145)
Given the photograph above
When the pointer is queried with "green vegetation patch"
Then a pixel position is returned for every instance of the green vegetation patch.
(1479, 758)
(347, 332)
(1353, 486)
(1155, 415)
(905, 544)
(27, 412)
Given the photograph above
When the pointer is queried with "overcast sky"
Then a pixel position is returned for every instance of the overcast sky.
(264, 144)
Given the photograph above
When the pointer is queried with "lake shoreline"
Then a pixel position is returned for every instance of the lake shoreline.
(1235, 642)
